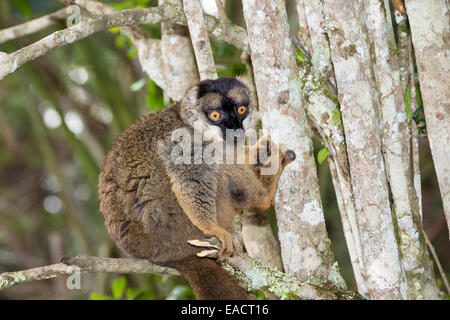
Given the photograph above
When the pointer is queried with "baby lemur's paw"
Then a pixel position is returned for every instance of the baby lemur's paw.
(288, 157)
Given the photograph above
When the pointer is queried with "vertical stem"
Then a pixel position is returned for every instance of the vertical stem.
(178, 63)
(350, 239)
(305, 247)
(200, 40)
(323, 68)
(430, 32)
(396, 148)
(303, 31)
(350, 55)
(259, 240)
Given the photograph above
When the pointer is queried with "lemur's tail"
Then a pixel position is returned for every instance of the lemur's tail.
(209, 281)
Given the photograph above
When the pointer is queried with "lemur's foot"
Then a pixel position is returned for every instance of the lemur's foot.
(212, 249)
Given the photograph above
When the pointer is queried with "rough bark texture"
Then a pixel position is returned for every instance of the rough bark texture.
(178, 63)
(10, 62)
(325, 113)
(259, 240)
(84, 264)
(305, 246)
(149, 49)
(430, 29)
(385, 278)
(252, 274)
(303, 28)
(347, 211)
(321, 56)
(413, 249)
(200, 41)
(33, 26)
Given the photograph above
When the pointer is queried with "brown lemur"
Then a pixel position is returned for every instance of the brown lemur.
(153, 206)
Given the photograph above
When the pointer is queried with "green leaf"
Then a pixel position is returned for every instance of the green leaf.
(96, 296)
(260, 295)
(419, 102)
(114, 30)
(155, 277)
(132, 52)
(120, 41)
(300, 57)
(407, 99)
(421, 121)
(322, 155)
(155, 99)
(118, 287)
(139, 294)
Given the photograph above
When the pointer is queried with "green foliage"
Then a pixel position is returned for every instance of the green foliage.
(120, 290)
(407, 99)
(300, 56)
(139, 294)
(96, 296)
(118, 287)
(322, 155)
(155, 277)
(155, 99)
(131, 4)
(260, 295)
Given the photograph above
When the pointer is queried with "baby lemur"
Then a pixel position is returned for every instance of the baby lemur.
(152, 205)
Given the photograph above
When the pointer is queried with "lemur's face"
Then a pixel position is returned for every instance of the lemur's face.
(225, 102)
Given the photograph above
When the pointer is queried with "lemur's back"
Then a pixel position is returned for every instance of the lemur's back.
(141, 212)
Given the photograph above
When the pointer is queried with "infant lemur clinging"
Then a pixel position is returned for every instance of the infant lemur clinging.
(152, 206)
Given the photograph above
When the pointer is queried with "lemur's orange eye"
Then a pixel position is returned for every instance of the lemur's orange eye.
(215, 115)
(241, 110)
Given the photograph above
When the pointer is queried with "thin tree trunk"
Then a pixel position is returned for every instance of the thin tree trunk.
(385, 278)
(325, 112)
(305, 247)
(429, 22)
(414, 254)
(259, 240)
(303, 29)
(200, 40)
(178, 63)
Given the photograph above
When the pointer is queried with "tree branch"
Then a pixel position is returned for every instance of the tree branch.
(10, 62)
(235, 35)
(86, 264)
(200, 41)
(252, 275)
(33, 26)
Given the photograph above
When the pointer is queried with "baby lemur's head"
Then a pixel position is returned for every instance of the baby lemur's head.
(217, 106)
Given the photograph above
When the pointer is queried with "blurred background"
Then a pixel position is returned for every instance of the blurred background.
(58, 118)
